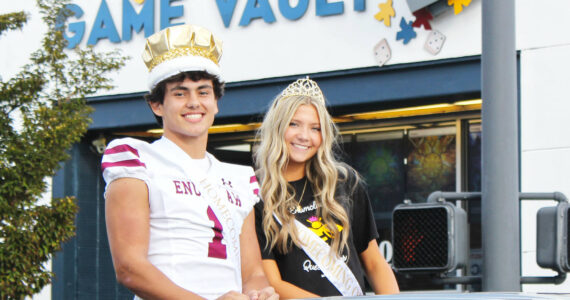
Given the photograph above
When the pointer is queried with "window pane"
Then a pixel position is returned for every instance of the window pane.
(430, 162)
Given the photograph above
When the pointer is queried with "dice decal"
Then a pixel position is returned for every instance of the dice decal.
(434, 42)
(382, 52)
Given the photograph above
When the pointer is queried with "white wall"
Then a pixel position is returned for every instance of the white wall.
(545, 140)
(261, 50)
(16, 46)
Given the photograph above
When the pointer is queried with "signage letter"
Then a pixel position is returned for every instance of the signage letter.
(133, 21)
(293, 13)
(168, 12)
(226, 8)
(359, 5)
(78, 28)
(103, 27)
(255, 9)
(326, 9)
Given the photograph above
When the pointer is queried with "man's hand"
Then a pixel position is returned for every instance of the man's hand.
(267, 293)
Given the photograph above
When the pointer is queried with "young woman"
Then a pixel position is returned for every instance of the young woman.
(315, 225)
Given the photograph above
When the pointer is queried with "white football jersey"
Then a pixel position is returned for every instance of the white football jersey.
(193, 241)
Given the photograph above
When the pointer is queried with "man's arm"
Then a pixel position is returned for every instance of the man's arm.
(254, 282)
(127, 217)
(379, 273)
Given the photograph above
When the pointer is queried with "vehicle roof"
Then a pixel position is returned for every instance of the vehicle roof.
(457, 296)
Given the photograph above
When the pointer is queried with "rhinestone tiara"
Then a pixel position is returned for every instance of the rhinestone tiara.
(304, 87)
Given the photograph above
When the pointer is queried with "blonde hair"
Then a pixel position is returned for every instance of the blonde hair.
(322, 170)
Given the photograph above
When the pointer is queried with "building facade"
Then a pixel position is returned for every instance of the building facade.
(402, 79)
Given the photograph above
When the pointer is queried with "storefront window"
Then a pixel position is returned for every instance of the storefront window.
(474, 158)
(412, 163)
(379, 157)
(474, 207)
(403, 164)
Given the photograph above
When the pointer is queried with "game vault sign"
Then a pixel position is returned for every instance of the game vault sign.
(104, 26)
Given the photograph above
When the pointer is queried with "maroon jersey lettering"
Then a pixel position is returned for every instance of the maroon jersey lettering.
(216, 249)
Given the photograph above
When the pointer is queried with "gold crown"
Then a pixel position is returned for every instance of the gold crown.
(304, 87)
(181, 40)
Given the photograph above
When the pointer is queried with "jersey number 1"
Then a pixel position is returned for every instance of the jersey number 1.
(216, 249)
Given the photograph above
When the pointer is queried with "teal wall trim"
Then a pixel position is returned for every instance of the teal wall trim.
(350, 90)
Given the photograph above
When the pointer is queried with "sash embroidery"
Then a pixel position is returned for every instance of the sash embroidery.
(336, 270)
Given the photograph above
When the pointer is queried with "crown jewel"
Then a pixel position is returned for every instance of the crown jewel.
(304, 87)
(178, 41)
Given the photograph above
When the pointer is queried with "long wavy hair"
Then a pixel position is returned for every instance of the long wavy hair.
(323, 171)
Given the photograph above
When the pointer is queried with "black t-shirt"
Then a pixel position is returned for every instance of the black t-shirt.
(295, 266)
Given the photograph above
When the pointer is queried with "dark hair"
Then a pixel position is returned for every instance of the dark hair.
(157, 93)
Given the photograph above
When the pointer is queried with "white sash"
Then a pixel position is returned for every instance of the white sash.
(336, 270)
(224, 215)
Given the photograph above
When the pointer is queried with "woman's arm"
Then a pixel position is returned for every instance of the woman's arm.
(285, 289)
(379, 273)
(127, 217)
(254, 282)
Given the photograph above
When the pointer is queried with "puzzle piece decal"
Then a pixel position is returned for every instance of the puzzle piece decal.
(458, 5)
(407, 33)
(423, 16)
(386, 12)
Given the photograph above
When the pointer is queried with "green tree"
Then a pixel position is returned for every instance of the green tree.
(43, 112)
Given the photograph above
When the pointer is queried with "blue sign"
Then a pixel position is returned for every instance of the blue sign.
(104, 26)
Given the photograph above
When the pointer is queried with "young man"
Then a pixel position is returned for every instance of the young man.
(180, 222)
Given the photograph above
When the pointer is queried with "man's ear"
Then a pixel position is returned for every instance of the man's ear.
(156, 108)
(217, 108)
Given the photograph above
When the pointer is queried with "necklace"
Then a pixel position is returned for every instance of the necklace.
(301, 198)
